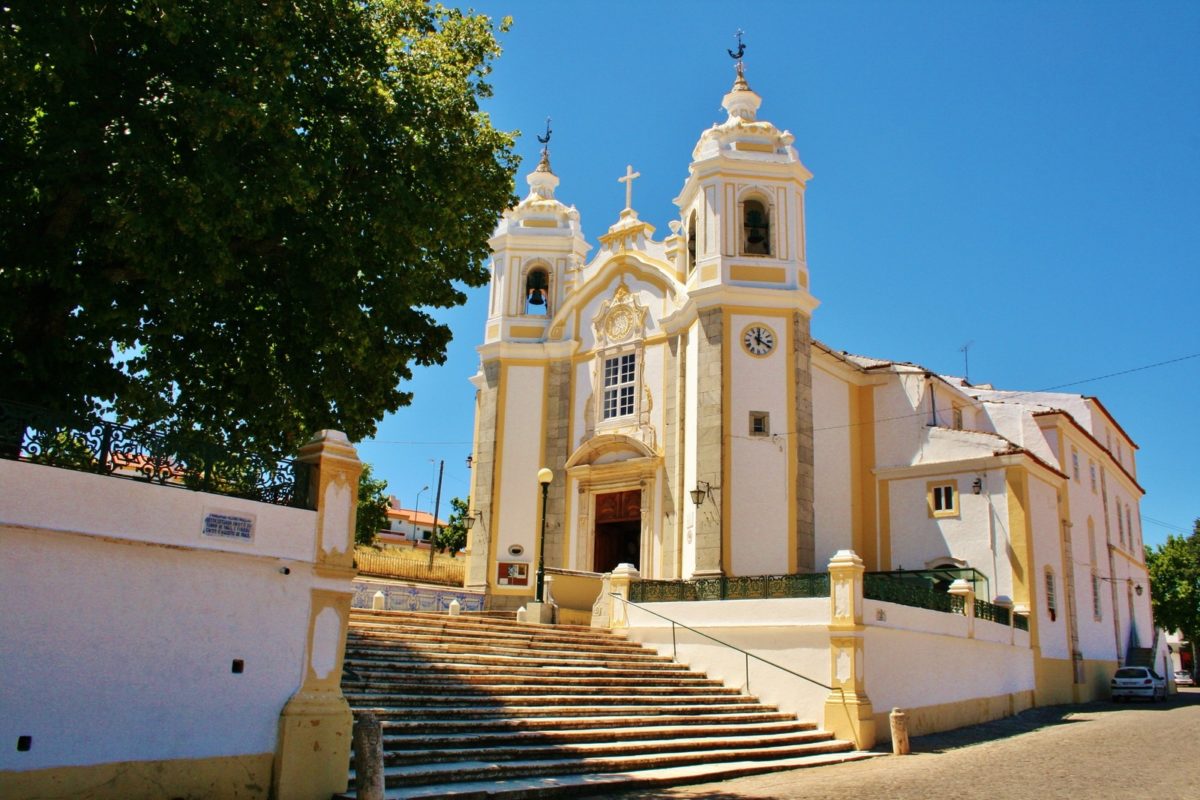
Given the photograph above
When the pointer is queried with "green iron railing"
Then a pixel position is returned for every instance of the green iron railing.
(992, 612)
(1020, 622)
(756, 587)
(913, 591)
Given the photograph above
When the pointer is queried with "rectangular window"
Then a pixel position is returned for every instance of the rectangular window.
(1075, 462)
(1120, 525)
(760, 423)
(1092, 470)
(958, 418)
(1129, 524)
(1096, 610)
(943, 499)
(620, 380)
(1051, 600)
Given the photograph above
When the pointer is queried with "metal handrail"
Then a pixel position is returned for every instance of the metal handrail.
(746, 653)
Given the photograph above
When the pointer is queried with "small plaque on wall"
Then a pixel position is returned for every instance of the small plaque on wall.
(226, 525)
(512, 573)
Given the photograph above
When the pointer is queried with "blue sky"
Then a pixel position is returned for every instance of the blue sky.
(1021, 176)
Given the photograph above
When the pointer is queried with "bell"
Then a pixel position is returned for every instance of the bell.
(537, 297)
(756, 236)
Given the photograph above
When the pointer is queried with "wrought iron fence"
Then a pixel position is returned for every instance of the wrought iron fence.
(29, 433)
(907, 591)
(992, 612)
(732, 588)
(1020, 622)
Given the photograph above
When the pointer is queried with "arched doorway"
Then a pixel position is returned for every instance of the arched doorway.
(618, 537)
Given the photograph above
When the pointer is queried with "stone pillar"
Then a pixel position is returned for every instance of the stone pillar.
(805, 454)
(710, 443)
(964, 589)
(312, 754)
(848, 711)
(622, 577)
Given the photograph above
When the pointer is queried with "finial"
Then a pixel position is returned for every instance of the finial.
(739, 84)
(628, 181)
(544, 164)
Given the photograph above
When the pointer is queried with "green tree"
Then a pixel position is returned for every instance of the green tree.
(234, 217)
(373, 506)
(1175, 583)
(454, 536)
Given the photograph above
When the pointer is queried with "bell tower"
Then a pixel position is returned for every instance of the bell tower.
(538, 249)
(749, 387)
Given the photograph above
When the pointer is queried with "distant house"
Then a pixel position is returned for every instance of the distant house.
(406, 525)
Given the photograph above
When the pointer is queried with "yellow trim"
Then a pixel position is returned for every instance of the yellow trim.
(537, 491)
(1054, 679)
(748, 351)
(244, 776)
(527, 331)
(708, 272)
(754, 147)
(493, 332)
(924, 720)
(497, 476)
(741, 272)
(568, 503)
(861, 400)
(885, 525)
(1016, 482)
(946, 513)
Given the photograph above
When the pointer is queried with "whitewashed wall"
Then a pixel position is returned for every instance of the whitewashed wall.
(121, 620)
(832, 479)
(518, 491)
(691, 417)
(760, 482)
(1044, 517)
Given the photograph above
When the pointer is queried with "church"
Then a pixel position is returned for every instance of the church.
(693, 428)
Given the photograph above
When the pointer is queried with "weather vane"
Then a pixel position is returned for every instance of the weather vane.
(545, 140)
(737, 57)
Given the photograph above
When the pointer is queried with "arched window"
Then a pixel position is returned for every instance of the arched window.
(756, 229)
(691, 243)
(537, 292)
(1051, 597)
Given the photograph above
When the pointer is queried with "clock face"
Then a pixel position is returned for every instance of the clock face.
(759, 340)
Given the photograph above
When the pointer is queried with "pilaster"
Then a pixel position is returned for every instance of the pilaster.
(848, 711)
(313, 749)
(806, 538)
(710, 440)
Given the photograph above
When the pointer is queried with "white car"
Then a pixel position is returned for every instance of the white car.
(1138, 682)
(1184, 678)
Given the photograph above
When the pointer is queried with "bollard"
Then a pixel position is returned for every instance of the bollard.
(455, 608)
(368, 757)
(377, 601)
(899, 722)
(521, 614)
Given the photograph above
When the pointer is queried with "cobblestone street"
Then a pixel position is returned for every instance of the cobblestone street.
(1089, 752)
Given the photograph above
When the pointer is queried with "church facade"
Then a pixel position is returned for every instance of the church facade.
(694, 428)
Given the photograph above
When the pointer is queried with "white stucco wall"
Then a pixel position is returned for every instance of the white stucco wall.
(791, 633)
(524, 393)
(760, 481)
(831, 479)
(121, 620)
(691, 416)
(1044, 519)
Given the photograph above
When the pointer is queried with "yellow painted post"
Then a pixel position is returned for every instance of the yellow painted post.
(312, 754)
(848, 711)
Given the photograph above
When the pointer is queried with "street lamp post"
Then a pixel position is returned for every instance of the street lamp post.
(544, 477)
(416, 511)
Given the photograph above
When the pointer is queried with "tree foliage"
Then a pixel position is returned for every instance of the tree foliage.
(453, 537)
(231, 215)
(373, 506)
(1175, 583)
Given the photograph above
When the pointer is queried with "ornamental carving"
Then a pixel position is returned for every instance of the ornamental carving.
(621, 318)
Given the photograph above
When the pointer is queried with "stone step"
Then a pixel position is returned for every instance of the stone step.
(519, 702)
(360, 616)
(489, 681)
(516, 668)
(415, 742)
(495, 692)
(474, 750)
(354, 654)
(402, 721)
(404, 636)
(609, 783)
(424, 649)
(623, 709)
(457, 771)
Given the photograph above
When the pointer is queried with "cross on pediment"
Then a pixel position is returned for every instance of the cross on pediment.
(628, 181)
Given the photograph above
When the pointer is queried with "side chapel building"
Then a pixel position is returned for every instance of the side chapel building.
(659, 369)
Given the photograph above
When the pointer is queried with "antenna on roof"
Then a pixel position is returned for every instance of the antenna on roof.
(966, 362)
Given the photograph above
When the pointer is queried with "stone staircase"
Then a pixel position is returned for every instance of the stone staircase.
(489, 707)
